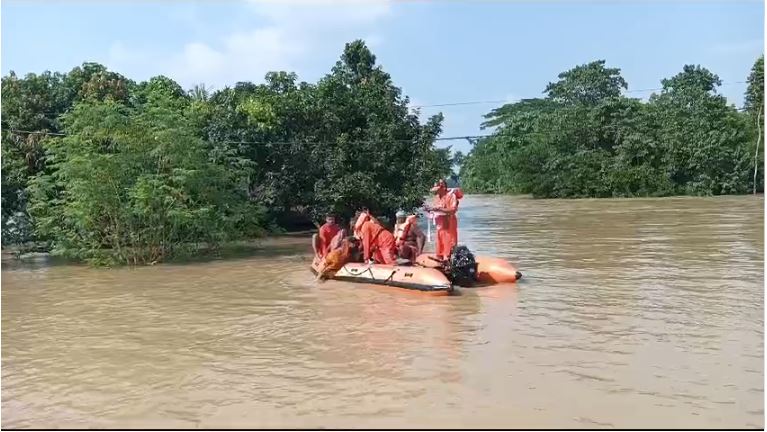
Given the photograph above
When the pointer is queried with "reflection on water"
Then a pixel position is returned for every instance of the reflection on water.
(632, 313)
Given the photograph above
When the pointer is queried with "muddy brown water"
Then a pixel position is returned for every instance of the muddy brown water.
(632, 313)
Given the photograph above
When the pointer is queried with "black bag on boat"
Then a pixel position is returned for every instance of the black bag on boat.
(461, 268)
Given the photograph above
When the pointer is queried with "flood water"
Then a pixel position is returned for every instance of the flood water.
(636, 313)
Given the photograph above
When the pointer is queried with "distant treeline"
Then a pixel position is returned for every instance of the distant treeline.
(585, 139)
(104, 169)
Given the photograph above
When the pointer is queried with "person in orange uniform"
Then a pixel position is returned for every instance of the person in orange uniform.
(445, 202)
(336, 258)
(377, 242)
(408, 237)
(321, 243)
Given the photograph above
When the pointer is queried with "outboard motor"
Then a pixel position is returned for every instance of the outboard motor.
(461, 268)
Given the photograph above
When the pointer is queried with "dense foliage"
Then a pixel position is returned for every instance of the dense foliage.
(109, 170)
(585, 139)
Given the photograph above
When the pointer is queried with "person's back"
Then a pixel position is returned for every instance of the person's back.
(417, 238)
(409, 238)
(377, 242)
(335, 259)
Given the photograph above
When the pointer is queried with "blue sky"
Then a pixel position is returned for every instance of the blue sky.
(437, 51)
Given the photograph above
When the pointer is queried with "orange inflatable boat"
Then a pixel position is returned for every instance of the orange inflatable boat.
(424, 280)
(490, 270)
(426, 276)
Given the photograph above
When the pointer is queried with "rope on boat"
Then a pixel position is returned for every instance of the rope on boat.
(390, 276)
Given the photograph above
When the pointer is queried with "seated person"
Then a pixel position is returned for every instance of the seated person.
(409, 238)
(356, 250)
(337, 240)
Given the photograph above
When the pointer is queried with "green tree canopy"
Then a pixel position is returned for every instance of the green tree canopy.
(755, 91)
(134, 185)
(586, 140)
(587, 84)
(119, 171)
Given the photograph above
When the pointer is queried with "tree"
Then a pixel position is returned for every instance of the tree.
(338, 145)
(704, 139)
(586, 140)
(30, 109)
(754, 106)
(160, 88)
(511, 112)
(587, 84)
(95, 82)
(755, 91)
(378, 154)
(456, 162)
(135, 186)
(199, 93)
(139, 172)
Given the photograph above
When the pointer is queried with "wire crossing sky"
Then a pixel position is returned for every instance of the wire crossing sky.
(460, 58)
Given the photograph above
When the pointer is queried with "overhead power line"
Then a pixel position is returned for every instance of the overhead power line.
(470, 138)
(508, 101)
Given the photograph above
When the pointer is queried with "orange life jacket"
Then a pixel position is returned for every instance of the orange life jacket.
(336, 259)
(402, 231)
(363, 217)
(457, 192)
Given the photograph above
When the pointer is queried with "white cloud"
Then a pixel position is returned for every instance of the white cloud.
(241, 56)
(291, 33)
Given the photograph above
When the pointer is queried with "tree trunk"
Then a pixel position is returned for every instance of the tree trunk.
(758, 141)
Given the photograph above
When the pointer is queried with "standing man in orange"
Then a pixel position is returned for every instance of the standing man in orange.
(446, 204)
(377, 242)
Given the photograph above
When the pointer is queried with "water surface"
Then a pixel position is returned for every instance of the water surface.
(632, 313)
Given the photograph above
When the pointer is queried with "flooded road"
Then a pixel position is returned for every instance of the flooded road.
(637, 313)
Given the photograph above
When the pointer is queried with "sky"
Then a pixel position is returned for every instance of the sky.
(437, 51)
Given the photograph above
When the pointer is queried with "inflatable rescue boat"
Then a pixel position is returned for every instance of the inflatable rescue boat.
(490, 270)
(426, 280)
(428, 275)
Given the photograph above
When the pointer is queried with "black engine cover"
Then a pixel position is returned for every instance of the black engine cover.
(461, 268)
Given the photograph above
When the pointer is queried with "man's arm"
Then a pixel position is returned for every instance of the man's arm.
(420, 239)
(450, 205)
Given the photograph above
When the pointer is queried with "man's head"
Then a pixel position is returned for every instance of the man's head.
(440, 187)
(330, 219)
(401, 215)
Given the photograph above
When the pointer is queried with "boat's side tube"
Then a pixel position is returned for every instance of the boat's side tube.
(496, 270)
